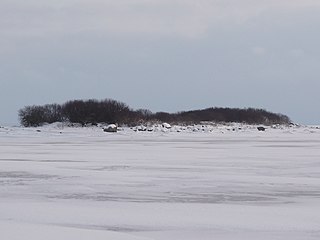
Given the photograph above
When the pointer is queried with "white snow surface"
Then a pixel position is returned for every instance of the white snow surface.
(190, 183)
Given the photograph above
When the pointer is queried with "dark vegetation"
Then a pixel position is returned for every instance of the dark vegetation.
(93, 112)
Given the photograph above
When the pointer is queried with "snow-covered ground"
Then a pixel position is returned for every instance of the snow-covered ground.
(196, 183)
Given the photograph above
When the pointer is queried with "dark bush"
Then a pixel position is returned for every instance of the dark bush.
(32, 116)
(93, 111)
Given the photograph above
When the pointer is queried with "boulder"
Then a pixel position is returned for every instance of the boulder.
(262, 129)
(166, 125)
(111, 128)
(141, 128)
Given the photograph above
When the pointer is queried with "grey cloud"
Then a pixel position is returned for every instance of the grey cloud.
(186, 18)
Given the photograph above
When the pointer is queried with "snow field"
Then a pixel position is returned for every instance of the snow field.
(82, 183)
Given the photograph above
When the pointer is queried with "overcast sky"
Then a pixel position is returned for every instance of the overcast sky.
(164, 55)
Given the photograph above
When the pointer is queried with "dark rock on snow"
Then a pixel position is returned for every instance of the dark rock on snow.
(261, 129)
(111, 128)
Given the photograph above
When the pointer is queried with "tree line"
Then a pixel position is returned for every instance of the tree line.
(95, 111)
